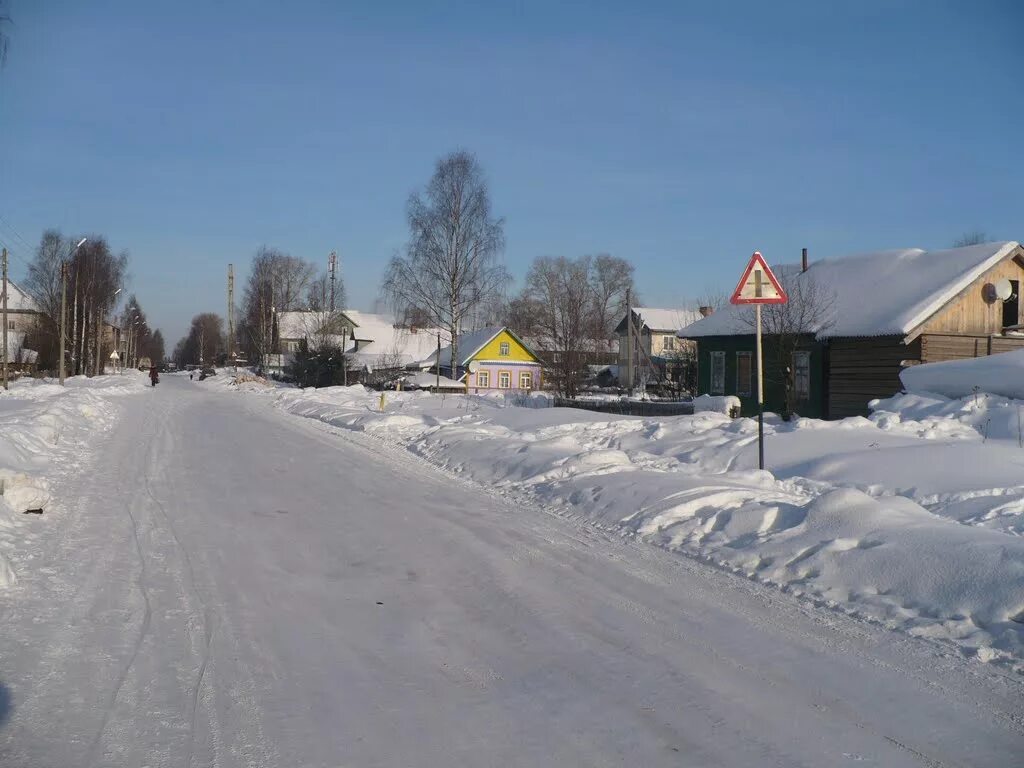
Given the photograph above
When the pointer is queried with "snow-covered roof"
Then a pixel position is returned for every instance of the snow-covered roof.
(379, 339)
(18, 300)
(469, 344)
(885, 293)
(659, 319)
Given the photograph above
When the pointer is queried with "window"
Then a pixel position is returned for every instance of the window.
(504, 380)
(744, 371)
(718, 373)
(802, 375)
(525, 380)
(10, 325)
(668, 343)
(503, 349)
(483, 378)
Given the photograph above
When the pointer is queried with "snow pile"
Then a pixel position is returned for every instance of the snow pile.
(728, 404)
(912, 518)
(43, 427)
(1001, 374)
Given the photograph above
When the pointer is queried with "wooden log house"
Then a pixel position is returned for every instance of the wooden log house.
(885, 311)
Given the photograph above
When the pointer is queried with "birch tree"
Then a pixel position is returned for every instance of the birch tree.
(451, 265)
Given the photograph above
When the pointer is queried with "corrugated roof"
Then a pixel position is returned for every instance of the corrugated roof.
(885, 293)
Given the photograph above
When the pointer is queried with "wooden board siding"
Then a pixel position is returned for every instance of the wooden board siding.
(969, 313)
(861, 370)
(938, 347)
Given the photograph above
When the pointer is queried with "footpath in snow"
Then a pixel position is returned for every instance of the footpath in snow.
(46, 431)
(911, 519)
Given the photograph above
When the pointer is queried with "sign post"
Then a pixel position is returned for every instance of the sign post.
(759, 286)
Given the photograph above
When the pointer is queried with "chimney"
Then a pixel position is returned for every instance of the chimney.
(803, 260)
(705, 311)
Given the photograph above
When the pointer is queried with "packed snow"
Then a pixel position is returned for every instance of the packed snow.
(1001, 374)
(222, 583)
(45, 431)
(912, 518)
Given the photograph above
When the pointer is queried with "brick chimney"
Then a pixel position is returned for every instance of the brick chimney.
(803, 260)
(705, 311)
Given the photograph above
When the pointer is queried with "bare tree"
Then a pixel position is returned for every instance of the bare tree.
(566, 316)
(204, 342)
(5, 39)
(278, 282)
(975, 237)
(610, 279)
(451, 263)
(787, 327)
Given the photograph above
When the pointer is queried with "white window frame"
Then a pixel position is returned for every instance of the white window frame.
(716, 373)
(749, 390)
(802, 382)
(526, 380)
(668, 343)
(504, 380)
(504, 349)
(483, 379)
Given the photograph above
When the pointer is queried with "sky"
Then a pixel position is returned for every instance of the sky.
(679, 135)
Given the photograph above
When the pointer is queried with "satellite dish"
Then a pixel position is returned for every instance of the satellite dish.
(1003, 289)
(474, 366)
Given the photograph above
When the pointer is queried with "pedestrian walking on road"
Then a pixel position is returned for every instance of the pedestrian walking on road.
(154, 376)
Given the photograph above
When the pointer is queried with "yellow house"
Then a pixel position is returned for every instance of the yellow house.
(491, 359)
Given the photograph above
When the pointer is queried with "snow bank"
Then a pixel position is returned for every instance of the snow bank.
(728, 404)
(912, 518)
(42, 427)
(1001, 374)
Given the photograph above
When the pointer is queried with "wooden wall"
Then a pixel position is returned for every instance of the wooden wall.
(861, 370)
(970, 313)
(938, 347)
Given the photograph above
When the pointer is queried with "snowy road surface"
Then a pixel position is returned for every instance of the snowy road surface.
(232, 586)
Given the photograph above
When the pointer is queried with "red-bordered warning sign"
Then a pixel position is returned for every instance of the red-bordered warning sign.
(758, 285)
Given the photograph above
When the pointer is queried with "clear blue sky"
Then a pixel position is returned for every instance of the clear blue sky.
(680, 135)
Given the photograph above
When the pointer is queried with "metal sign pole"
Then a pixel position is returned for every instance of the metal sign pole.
(760, 393)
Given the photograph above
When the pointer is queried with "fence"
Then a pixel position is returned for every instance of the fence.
(630, 407)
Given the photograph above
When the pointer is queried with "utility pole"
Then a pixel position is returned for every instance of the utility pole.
(332, 266)
(344, 365)
(5, 316)
(629, 343)
(437, 367)
(63, 314)
(231, 311)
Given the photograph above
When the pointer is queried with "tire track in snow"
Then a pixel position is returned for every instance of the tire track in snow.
(208, 625)
(143, 632)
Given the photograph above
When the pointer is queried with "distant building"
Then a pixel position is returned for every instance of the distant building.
(884, 311)
(24, 318)
(658, 352)
(372, 343)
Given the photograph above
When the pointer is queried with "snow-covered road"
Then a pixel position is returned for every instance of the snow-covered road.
(231, 586)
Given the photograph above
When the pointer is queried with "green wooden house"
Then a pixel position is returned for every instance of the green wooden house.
(855, 322)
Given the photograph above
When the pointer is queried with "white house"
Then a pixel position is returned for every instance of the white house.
(371, 341)
(23, 317)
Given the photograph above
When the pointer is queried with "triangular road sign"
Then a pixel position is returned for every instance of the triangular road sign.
(758, 285)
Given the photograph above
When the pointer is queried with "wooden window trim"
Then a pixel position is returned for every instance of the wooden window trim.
(506, 373)
(483, 379)
(528, 376)
(504, 349)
